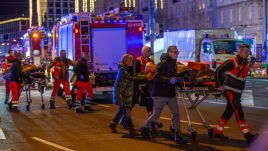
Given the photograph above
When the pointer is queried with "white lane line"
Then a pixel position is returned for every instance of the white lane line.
(196, 123)
(258, 107)
(101, 105)
(2, 135)
(51, 144)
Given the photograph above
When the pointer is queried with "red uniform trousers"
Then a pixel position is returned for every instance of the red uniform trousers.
(15, 90)
(8, 89)
(66, 86)
(83, 87)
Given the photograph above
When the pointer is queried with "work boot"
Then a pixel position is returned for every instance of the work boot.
(6, 101)
(145, 132)
(70, 104)
(15, 110)
(9, 104)
(250, 137)
(179, 139)
(112, 126)
(131, 132)
(88, 108)
(221, 137)
(79, 110)
(52, 105)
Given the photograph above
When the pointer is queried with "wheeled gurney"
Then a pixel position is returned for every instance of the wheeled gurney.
(32, 76)
(196, 94)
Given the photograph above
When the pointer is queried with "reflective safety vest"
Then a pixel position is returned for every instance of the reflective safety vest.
(143, 62)
(235, 79)
(7, 65)
(58, 71)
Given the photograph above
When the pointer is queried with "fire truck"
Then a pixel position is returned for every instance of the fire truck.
(36, 45)
(106, 38)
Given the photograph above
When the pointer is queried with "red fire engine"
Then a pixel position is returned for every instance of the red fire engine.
(36, 45)
(106, 39)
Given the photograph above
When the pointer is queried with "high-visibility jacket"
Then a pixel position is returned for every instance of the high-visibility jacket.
(7, 65)
(235, 79)
(143, 62)
(61, 68)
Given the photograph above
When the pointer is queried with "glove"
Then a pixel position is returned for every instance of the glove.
(173, 80)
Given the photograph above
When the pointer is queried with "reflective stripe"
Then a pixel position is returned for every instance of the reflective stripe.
(234, 76)
(57, 67)
(235, 62)
(219, 128)
(244, 131)
(233, 89)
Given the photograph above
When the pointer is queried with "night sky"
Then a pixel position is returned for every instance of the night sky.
(13, 8)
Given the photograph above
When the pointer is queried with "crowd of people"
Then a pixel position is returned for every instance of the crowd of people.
(141, 81)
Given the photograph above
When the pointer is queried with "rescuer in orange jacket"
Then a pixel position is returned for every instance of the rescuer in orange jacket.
(139, 89)
(5, 69)
(61, 76)
(231, 77)
(83, 84)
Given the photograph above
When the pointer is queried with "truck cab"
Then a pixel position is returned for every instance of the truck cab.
(219, 50)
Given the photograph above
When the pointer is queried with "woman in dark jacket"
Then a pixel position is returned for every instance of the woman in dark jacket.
(123, 92)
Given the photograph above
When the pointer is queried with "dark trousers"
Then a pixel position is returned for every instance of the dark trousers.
(126, 113)
(233, 106)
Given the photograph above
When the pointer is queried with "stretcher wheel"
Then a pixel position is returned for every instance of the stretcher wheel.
(171, 128)
(27, 107)
(43, 106)
(193, 135)
(210, 132)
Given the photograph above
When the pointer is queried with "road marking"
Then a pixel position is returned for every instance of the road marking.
(258, 107)
(196, 123)
(101, 105)
(51, 144)
(2, 135)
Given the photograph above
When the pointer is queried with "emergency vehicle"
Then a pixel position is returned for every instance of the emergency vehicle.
(207, 46)
(106, 38)
(36, 45)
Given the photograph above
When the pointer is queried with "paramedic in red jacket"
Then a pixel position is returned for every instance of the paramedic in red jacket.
(61, 76)
(5, 69)
(231, 77)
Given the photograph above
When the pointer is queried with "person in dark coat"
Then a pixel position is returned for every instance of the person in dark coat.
(15, 77)
(123, 92)
(164, 92)
(83, 84)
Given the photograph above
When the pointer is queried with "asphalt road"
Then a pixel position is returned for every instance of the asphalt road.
(63, 129)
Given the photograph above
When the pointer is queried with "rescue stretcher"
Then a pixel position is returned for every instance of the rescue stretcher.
(196, 94)
(33, 76)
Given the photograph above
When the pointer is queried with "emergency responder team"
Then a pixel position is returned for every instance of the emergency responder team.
(141, 81)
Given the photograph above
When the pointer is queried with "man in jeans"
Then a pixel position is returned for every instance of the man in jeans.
(164, 92)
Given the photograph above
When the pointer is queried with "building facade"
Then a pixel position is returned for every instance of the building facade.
(48, 12)
(13, 29)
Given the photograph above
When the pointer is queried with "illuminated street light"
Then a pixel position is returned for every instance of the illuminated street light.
(35, 35)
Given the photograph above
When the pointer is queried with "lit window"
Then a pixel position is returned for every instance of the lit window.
(231, 15)
(239, 13)
(222, 17)
(250, 14)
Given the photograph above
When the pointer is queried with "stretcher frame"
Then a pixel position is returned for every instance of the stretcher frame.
(41, 86)
(201, 94)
